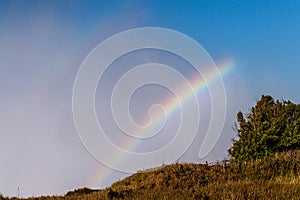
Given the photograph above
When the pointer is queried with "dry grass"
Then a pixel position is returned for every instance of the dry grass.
(272, 178)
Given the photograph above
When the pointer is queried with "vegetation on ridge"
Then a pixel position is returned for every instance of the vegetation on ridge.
(272, 126)
(265, 165)
(276, 177)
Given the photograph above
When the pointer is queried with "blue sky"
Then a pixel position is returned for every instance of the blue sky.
(42, 44)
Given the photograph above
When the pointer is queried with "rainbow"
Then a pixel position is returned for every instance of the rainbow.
(102, 175)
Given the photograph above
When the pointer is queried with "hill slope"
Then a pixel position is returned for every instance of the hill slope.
(277, 177)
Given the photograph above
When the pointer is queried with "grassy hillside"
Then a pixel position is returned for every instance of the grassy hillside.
(277, 177)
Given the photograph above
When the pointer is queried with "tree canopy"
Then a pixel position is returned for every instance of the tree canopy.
(271, 126)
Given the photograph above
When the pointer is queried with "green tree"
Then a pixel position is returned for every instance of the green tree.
(271, 126)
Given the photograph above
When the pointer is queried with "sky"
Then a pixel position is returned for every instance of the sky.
(43, 44)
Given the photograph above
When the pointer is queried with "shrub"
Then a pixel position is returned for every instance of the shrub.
(270, 127)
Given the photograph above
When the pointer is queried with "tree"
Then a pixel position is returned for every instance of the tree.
(271, 126)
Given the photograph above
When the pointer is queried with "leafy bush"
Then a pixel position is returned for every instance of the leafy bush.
(270, 127)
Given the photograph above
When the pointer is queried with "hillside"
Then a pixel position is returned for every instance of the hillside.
(277, 177)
